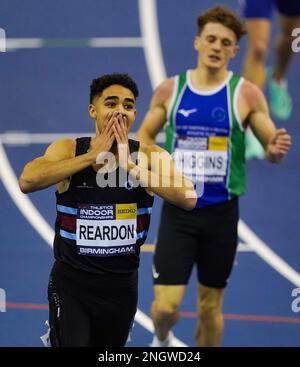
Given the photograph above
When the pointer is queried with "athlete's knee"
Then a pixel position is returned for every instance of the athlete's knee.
(209, 309)
(164, 309)
(259, 50)
(210, 302)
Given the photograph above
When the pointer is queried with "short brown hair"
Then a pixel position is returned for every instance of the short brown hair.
(223, 15)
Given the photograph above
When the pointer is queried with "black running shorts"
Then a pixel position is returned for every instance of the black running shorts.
(206, 237)
(85, 310)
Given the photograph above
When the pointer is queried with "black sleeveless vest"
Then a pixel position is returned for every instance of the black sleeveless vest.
(100, 229)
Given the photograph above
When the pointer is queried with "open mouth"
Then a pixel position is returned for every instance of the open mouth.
(214, 58)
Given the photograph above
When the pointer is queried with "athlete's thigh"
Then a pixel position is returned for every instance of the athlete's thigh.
(217, 247)
(68, 319)
(112, 326)
(176, 247)
(258, 32)
(112, 315)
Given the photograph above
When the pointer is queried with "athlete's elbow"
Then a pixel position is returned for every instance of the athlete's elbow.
(29, 184)
(190, 196)
(189, 203)
(187, 200)
(26, 186)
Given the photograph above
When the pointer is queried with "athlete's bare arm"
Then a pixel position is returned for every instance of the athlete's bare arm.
(59, 161)
(156, 116)
(254, 108)
(165, 180)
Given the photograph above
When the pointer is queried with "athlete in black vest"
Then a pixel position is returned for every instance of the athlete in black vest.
(104, 202)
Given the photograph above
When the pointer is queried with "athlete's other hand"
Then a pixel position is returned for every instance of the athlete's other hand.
(279, 146)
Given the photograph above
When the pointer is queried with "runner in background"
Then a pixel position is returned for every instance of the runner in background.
(258, 16)
(207, 110)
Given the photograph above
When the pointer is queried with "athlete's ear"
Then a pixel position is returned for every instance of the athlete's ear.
(92, 111)
(197, 43)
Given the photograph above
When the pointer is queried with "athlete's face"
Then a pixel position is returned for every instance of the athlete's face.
(114, 98)
(216, 45)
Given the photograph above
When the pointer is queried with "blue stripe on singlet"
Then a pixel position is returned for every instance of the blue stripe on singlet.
(66, 209)
(141, 234)
(142, 211)
(69, 235)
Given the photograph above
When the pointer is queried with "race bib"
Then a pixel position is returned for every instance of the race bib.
(106, 230)
(208, 164)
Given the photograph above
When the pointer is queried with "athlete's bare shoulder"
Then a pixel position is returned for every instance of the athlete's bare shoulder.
(251, 94)
(165, 90)
(61, 149)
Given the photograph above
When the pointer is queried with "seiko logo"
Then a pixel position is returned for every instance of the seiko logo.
(122, 211)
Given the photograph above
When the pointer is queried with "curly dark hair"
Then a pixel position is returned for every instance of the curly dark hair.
(99, 84)
(225, 16)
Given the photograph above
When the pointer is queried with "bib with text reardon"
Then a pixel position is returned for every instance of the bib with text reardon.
(106, 229)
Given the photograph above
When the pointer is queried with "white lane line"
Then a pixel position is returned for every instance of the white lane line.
(16, 138)
(147, 323)
(13, 44)
(17, 43)
(268, 255)
(150, 34)
(244, 247)
(150, 247)
(116, 42)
